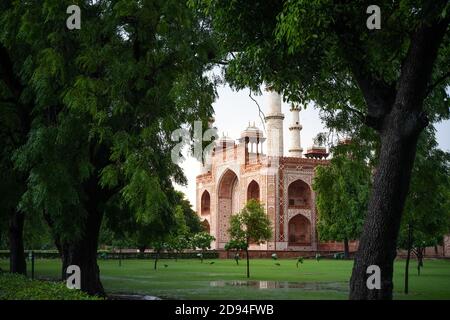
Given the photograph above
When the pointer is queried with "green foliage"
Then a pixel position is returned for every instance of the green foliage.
(191, 217)
(342, 192)
(179, 243)
(299, 261)
(250, 225)
(202, 240)
(17, 287)
(427, 208)
(310, 50)
(94, 109)
(236, 244)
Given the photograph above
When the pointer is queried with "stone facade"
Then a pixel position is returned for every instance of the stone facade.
(237, 171)
(276, 182)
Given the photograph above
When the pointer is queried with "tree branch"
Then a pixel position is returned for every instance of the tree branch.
(437, 82)
(418, 64)
(7, 72)
(260, 112)
(378, 94)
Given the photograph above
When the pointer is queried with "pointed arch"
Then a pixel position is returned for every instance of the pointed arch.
(228, 198)
(299, 230)
(299, 195)
(205, 203)
(253, 191)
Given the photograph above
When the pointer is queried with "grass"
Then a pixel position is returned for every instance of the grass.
(189, 279)
(18, 287)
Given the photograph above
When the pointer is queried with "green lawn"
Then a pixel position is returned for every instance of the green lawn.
(189, 279)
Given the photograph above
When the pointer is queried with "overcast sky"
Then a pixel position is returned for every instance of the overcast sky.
(234, 110)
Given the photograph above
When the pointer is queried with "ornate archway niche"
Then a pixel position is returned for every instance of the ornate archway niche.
(228, 198)
(253, 191)
(299, 195)
(299, 231)
(205, 205)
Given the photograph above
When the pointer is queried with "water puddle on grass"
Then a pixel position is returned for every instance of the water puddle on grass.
(307, 286)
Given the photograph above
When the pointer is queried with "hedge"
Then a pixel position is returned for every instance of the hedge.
(18, 287)
(108, 254)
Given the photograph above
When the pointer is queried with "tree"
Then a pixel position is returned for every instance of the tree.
(251, 225)
(187, 225)
(342, 191)
(178, 238)
(101, 104)
(391, 80)
(203, 241)
(191, 218)
(427, 214)
(14, 127)
(179, 243)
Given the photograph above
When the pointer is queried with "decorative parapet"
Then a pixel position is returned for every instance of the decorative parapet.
(204, 178)
(251, 167)
(303, 161)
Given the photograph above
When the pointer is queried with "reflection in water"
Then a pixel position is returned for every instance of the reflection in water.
(314, 286)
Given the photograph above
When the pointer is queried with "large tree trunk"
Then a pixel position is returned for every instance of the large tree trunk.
(346, 249)
(420, 252)
(83, 253)
(156, 259)
(379, 238)
(408, 257)
(17, 262)
(399, 122)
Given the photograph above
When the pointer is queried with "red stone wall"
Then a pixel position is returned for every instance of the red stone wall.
(338, 246)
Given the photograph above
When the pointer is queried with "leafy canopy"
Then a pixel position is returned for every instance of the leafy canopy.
(102, 103)
(342, 192)
(251, 225)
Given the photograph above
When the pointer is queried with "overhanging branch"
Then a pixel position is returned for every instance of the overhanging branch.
(437, 82)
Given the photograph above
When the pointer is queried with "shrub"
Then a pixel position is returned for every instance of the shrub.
(18, 287)
(299, 261)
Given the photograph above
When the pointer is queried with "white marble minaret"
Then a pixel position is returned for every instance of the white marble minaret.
(274, 121)
(295, 149)
(206, 165)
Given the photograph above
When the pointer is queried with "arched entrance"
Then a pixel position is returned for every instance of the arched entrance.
(205, 203)
(299, 229)
(206, 227)
(299, 195)
(253, 190)
(228, 203)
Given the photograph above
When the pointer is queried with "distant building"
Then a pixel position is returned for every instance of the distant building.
(237, 171)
